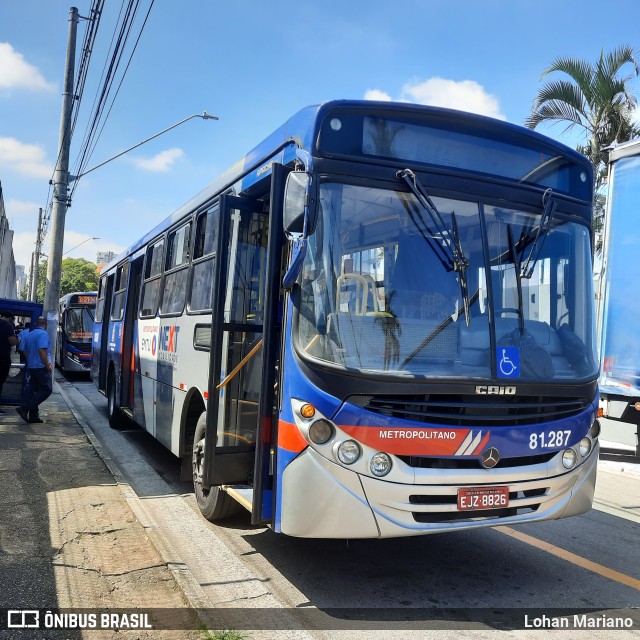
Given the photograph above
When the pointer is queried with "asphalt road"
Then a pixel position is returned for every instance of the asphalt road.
(464, 584)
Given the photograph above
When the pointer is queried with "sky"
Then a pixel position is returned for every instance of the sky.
(254, 64)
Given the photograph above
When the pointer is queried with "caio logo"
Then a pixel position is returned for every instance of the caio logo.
(490, 390)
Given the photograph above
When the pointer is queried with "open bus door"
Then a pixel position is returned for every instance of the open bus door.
(103, 353)
(245, 343)
(129, 360)
(263, 496)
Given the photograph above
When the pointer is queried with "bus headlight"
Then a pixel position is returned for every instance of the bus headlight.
(321, 431)
(569, 458)
(348, 451)
(594, 432)
(584, 447)
(380, 464)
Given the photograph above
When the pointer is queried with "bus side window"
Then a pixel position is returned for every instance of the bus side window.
(204, 260)
(249, 264)
(122, 276)
(102, 288)
(177, 269)
(152, 278)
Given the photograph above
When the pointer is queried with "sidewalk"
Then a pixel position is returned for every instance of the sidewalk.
(68, 537)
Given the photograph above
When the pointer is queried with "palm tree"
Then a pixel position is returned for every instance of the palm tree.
(595, 98)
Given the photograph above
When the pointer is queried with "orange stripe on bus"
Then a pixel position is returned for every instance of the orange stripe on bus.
(482, 445)
(290, 438)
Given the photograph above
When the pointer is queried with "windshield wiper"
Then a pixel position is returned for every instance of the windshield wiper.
(450, 237)
(413, 210)
(549, 205)
(454, 247)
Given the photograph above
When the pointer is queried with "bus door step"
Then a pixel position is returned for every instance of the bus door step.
(127, 412)
(242, 493)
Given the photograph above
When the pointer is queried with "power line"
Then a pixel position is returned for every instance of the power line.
(87, 49)
(90, 36)
(99, 117)
(104, 122)
(105, 80)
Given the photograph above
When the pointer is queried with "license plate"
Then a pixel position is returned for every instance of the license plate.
(475, 498)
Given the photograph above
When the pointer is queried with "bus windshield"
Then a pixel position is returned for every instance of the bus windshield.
(79, 324)
(380, 295)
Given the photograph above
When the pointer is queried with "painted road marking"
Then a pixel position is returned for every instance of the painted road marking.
(594, 567)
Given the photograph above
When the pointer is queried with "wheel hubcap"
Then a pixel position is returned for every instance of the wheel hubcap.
(198, 461)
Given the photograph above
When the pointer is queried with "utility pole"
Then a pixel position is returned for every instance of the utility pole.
(60, 188)
(30, 287)
(35, 261)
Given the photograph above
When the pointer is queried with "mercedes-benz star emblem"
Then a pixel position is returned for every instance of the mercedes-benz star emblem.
(490, 458)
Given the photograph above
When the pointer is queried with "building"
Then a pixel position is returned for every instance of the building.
(7, 261)
(21, 278)
(104, 257)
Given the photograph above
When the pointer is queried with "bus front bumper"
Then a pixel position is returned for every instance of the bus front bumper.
(321, 499)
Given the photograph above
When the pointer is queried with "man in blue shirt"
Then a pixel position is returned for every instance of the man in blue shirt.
(21, 337)
(36, 347)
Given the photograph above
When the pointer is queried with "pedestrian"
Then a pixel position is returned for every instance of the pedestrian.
(7, 341)
(18, 330)
(36, 347)
(22, 336)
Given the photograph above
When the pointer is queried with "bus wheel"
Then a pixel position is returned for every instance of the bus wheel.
(214, 503)
(116, 418)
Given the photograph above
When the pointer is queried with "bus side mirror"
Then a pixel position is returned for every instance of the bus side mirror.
(299, 203)
(298, 219)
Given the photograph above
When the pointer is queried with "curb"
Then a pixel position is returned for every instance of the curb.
(193, 592)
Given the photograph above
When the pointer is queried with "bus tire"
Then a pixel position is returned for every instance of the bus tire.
(214, 503)
(116, 417)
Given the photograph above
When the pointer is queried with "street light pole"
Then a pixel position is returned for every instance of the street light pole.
(54, 295)
(204, 115)
(60, 187)
(79, 245)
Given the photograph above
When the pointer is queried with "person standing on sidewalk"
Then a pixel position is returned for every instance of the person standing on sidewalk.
(36, 347)
(21, 337)
(7, 341)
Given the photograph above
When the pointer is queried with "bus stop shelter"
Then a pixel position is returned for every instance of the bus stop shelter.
(24, 312)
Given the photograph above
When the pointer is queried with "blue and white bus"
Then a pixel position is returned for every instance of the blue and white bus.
(379, 323)
(75, 331)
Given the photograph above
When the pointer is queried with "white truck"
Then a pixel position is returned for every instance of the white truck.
(618, 303)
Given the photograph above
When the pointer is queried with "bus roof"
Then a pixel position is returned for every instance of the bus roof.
(297, 138)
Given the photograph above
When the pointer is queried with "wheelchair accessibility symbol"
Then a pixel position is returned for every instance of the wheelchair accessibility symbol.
(508, 362)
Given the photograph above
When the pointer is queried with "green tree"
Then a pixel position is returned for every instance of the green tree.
(597, 99)
(78, 274)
